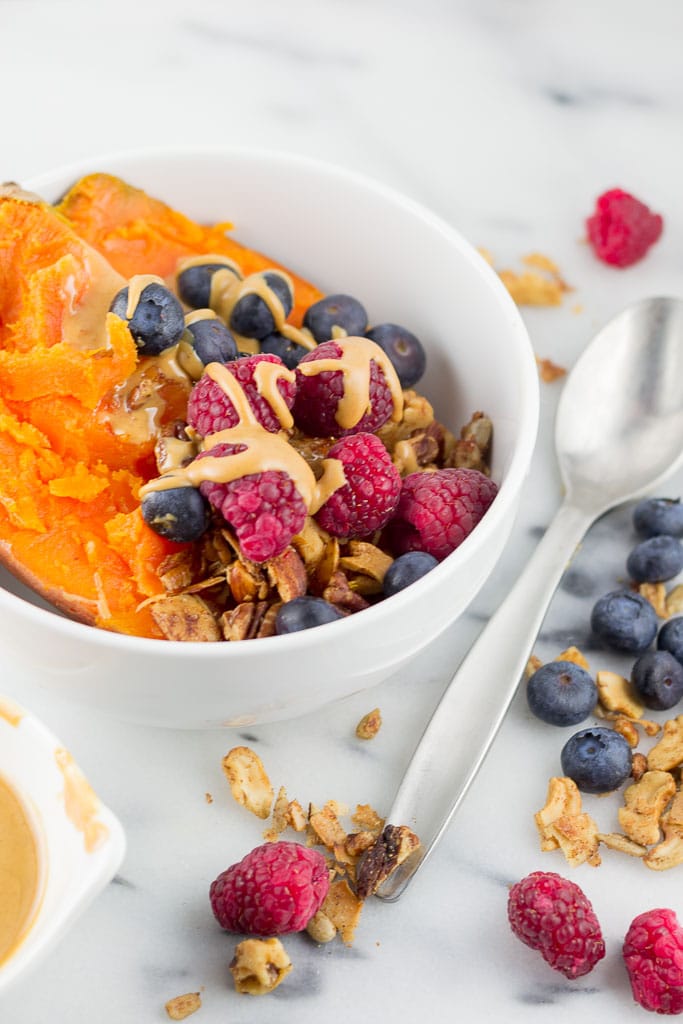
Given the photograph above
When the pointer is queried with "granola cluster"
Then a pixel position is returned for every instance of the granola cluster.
(651, 816)
(212, 592)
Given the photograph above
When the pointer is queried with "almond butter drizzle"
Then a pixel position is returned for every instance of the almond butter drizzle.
(227, 296)
(195, 315)
(136, 286)
(80, 802)
(263, 452)
(84, 325)
(354, 363)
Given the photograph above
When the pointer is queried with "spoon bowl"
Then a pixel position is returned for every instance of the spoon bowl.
(619, 423)
(618, 432)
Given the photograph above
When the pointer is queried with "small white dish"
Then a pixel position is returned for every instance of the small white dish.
(80, 842)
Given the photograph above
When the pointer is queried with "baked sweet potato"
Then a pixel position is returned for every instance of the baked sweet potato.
(72, 460)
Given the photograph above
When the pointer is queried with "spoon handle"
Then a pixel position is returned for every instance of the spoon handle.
(467, 718)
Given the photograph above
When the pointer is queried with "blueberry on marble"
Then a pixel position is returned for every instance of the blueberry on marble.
(406, 569)
(658, 678)
(625, 621)
(157, 321)
(598, 760)
(303, 613)
(405, 351)
(335, 311)
(655, 559)
(290, 352)
(654, 516)
(251, 315)
(212, 341)
(671, 638)
(194, 283)
(561, 693)
(178, 513)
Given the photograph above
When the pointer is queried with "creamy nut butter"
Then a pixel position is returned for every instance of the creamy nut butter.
(19, 872)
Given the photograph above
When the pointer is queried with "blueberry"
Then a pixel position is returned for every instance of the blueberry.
(671, 638)
(194, 283)
(304, 612)
(212, 341)
(658, 678)
(404, 350)
(561, 693)
(655, 560)
(157, 321)
(335, 311)
(251, 316)
(653, 516)
(598, 760)
(289, 352)
(405, 569)
(624, 620)
(177, 513)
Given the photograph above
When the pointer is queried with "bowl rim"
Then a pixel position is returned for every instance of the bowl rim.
(527, 383)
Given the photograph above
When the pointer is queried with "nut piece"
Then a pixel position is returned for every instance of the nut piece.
(532, 665)
(369, 725)
(562, 824)
(249, 784)
(674, 601)
(669, 853)
(343, 909)
(655, 593)
(185, 617)
(287, 573)
(181, 1007)
(326, 825)
(615, 841)
(259, 965)
(668, 753)
(394, 845)
(644, 802)
(321, 928)
(616, 693)
(574, 655)
(366, 559)
(638, 766)
(626, 728)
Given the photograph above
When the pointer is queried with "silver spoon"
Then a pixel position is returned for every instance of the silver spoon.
(618, 432)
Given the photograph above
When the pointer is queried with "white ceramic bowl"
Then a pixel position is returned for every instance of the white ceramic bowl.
(78, 855)
(350, 235)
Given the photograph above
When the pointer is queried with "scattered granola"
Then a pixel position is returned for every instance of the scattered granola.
(393, 846)
(562, 824)
(249, 783)
(616, 693)
(644, 802)
(549, 371)
(259, 965)
(181, 1007)
(369, 725)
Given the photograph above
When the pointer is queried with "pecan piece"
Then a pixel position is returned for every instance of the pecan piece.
(244, 621)
(287, 573)
(394, 845)
(339, 593)
(185, 617)
(246, 581)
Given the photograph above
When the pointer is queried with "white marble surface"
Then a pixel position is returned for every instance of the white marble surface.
(507, 118)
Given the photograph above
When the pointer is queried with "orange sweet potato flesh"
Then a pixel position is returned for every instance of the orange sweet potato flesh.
(134, 230)
(70, 473)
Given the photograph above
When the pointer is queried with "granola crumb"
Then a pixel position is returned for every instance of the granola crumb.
(249, 784)
(369, 725)
(259, 965)
(208, 798)
(181, 1007)
(549, 371)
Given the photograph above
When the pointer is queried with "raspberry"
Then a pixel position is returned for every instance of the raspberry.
(622, 229)
(264, 509)
(653, 954)
(438, 509)
(318, 396)
(371, 492)
(551, 914)
(275, 889)
(209, 409)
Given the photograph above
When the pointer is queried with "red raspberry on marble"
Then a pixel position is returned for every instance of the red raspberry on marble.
(653, 954)
(622, 229)
(264, 509)
(438, 509)
(553, 915)
(209, 409)
(274, 890)
(371, 492)
(317, 397)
